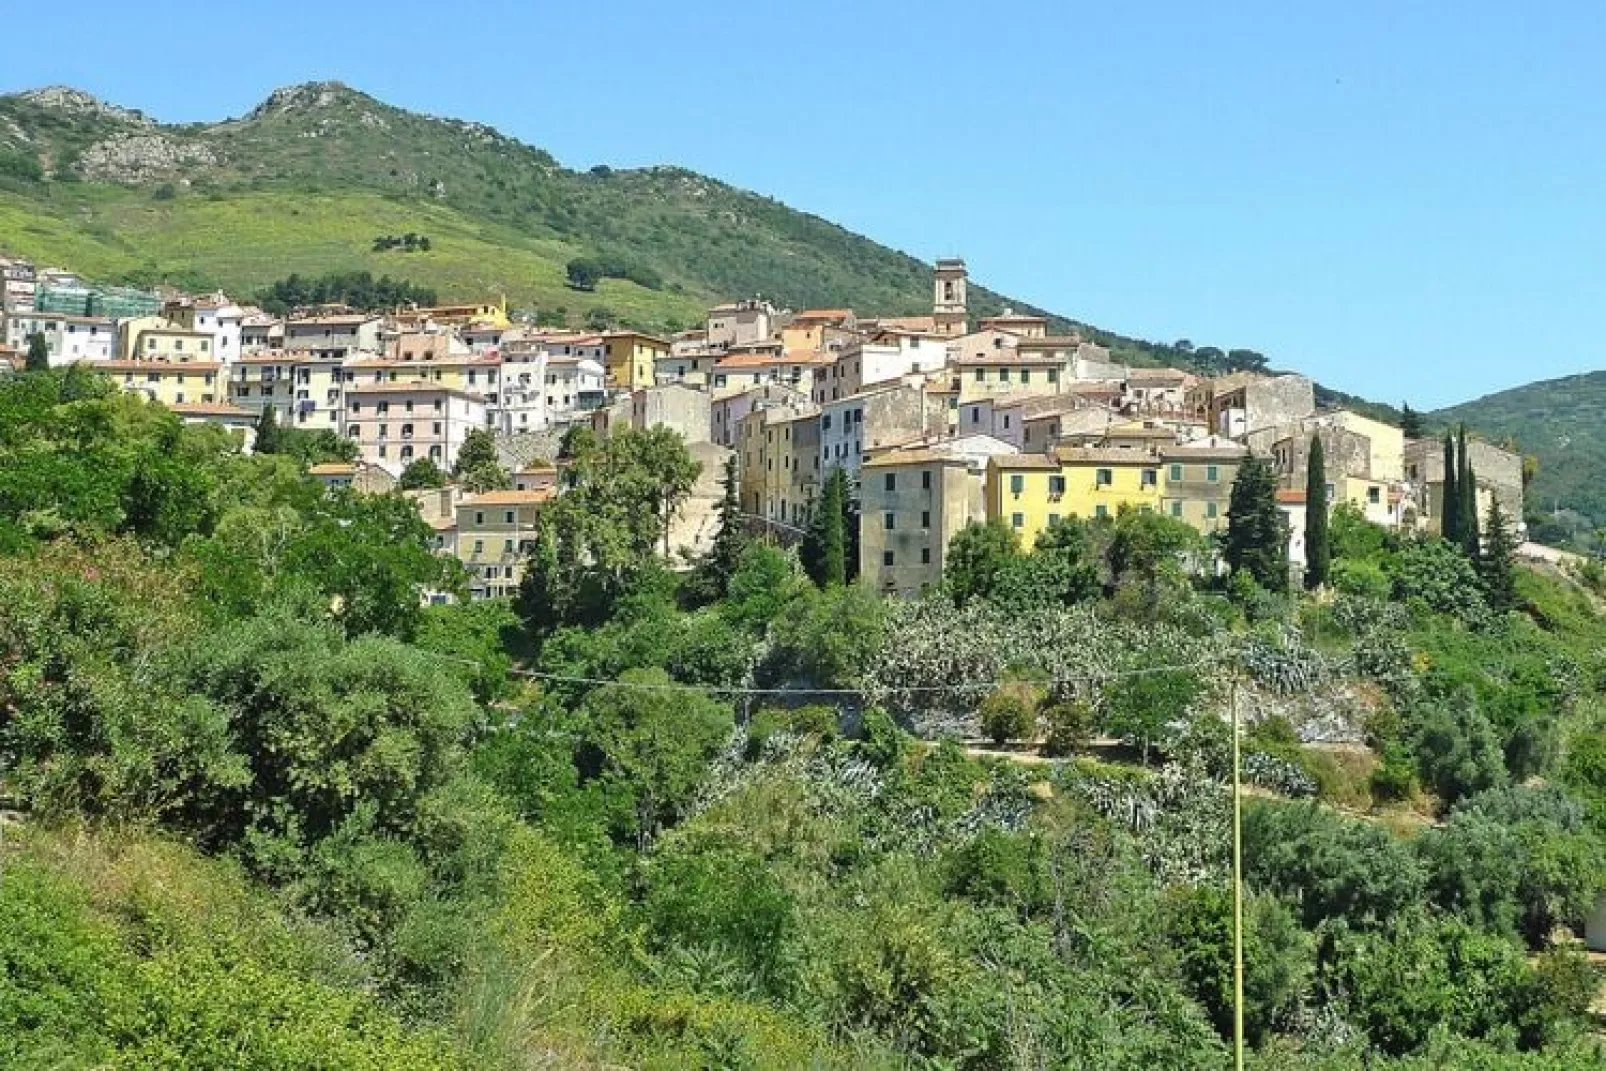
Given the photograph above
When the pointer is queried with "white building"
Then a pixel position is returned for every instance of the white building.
(522, 405)
(69, 339)
(574, 385)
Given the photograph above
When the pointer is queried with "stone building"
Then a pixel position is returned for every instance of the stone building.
(912, 504)
(1497, 472)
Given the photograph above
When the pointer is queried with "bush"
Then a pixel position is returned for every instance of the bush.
(1070, 726)
(1007, 715)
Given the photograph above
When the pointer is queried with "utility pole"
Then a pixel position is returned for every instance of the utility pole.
(1237, 891)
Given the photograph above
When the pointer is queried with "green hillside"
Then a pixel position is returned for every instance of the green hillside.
(307, 180)
(1562, 423)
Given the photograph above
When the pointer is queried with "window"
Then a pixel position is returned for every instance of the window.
(479, 517)
(886, 558)
(1176, 473)
(1006, 421)
(384, 430)
(1017, 483)
(925, 480)
(1103, 477)
(1101, 511)
(507, 517)
(981, 375)
(1372, 496)
(1210, 509)
(1056, 485)
(889, 521)
(479, 545)
(1151, 478)
(1176, 508)
(1212, 474)
(925, 518)
(407, 451)
(1017, 520)
(1053, 518)
(891, 482)
(925, 555)
(1053, 375)
(1003, 375)
(825, 422)
(507, 546)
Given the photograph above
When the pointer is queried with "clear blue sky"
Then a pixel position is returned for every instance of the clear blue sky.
(1405, 199)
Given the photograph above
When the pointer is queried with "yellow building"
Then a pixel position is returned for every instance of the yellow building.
(630, 357)
(168, 382)
(493, 314)
(150, 338)
(1031, 491)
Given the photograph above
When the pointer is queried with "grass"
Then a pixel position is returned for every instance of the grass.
(247, 239)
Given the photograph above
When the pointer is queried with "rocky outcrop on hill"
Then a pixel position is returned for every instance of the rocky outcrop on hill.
(133, 158)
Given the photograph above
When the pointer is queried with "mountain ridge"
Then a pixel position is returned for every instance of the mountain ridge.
(114, 193)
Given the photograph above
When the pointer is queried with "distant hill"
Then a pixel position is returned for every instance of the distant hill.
(1562, 423)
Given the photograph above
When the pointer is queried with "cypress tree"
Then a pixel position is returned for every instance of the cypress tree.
(825, 549)
(38, 359)
(1450, 500)
(731, 539)
(1257, 538)
(1497, 560)
(1410, 421)
(268, 440)
(1318, 550)
(1466, 486)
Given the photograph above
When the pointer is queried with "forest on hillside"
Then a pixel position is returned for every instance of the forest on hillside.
(264, 809)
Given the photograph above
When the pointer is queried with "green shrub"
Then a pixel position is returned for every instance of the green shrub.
(1070, 723)
(1007, 715)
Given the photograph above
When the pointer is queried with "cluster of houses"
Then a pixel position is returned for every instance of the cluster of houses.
(936, 420)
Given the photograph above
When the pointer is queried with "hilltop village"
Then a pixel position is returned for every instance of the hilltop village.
(937, 420)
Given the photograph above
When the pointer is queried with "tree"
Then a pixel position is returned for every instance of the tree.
(1466, 487)
(1257, 535)
(1142, 707)
(487, 476)
(730, 540)
(583, 273)
(1007, 715)
(38, 359)
(1497, 560)
(978, 556)
(422, 473)
(1410, 422)
(1450, 504)
(1318, 550)
(1278, 958)
(268, 437)
(1458, 751)
(652, 746)
(479, 448)
(825, 548)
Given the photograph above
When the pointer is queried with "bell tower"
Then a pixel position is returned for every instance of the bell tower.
(948, 297)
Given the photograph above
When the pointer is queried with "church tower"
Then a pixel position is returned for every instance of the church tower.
(948, 297)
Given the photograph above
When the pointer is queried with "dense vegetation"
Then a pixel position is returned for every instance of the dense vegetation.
(358, 289)
(276, 813)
